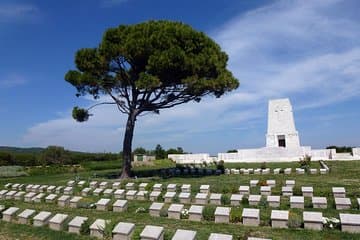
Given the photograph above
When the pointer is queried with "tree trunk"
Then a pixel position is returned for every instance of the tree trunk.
(127, 146)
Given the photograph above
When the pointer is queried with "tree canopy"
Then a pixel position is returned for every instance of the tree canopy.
(147, 67)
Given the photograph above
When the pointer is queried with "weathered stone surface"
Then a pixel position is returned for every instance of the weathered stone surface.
(215, 198)
(142, 195)
(24, 216)
(279, 218)
(205, 189)
(103, 185)
(253, 183)
(64, 200)
(307, 191)
(181, 234)
(103, 204)
(57, 222)
(265, 190)
(218, 236)
(251, 216)
(244, 190)
(273, 201)
(86, 191)
(169, 196)
(154, 195)
(123, 231)
(287, 191)
(201, 198)
(97, 228)
(42, 218)
(254, 200)
(171, 187)
(143, 186)
(313, 220)
(290, 183)
(108, 192)
(350, 222)
(184, 197)
(195, 212)
(130, 186)
(98, 191)
(339, 192)
(235, 199)
(157, 187)
(152, 233)
(222, 214)
(75, 201)
(342, 203)
(155, 209)
(186, 188)
(297, 202)
(271, 182)
(76, 223)
(174, 211)
(119, 194)
(319, 202)
(120, 205)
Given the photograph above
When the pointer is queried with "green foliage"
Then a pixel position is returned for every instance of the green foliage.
(85, 228)
(263, 165)
(343, 149)
(80, 114)
(163, 212)
(225, 199)
(235, 214)
(220, 166)
(55, 155)
(305, 162)
(209, 213)
(160, 153)
(232, 151)
(140, 150)
(12, 171)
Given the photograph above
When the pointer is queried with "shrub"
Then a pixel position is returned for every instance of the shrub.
(225, 199)
(163, 213)
(295, 221)
(305, 162)
(209, 213)
(85, 228)
(184, 214)
(109, 226)
(220, 166)
(263, 165)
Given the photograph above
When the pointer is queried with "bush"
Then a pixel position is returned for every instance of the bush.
(295, 221)
(85, 228)
(163, 212)
(305, 162)
(209, 213)
(12, 171)
(263, 165)
(225, 199)
(220, 166)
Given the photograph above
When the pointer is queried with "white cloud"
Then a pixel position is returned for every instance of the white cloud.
(308, 51)
(17, 11)
(12, 80)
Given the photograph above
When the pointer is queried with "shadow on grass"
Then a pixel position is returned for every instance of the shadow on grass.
(166, 173)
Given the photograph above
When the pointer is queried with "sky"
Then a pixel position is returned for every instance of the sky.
(307, 51)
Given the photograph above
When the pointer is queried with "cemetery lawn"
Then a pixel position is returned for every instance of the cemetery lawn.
(342, 174)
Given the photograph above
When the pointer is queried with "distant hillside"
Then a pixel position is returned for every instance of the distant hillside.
(21, 150)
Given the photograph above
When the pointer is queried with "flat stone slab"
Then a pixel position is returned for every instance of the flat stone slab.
(124, 228)
(273, 198)
(314, 217)
(156, 206)
(218, 236)
(157, 186)
(337, 190)
(184, 195)
(176, 208)
(64, 198)
(290, 182)
(103, 202)
(130, 185)
(280, 215)
(155, 194)
(27, 213)
(42, 216)
(181, 234)
(169, 194)
(99, 224)
(171, 187)
(251, 213)
(253, 183)
(254, 198)
(108, 191)
(59, 218)
(319, 200)
(236, 197)
(116, 185)
(11, 211)
(222, 211)
(215, 196)
(120, 203)
(271, 182)
(201, 196)
(143, 185)
(244, 188)
(98, 191)
(185, 187)
(342, 202)
(152, 232)
(77, 221)
(51, 197)
(204, 188)
(196, 209)
(296, 199)
(350, 219)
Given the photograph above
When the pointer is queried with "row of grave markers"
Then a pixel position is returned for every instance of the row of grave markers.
(121, 231)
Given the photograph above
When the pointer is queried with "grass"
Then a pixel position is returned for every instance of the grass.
(12, 171)
(342, 174)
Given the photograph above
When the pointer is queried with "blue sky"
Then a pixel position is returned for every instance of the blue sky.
(308, 51)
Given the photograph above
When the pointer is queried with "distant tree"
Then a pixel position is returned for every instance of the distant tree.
(342, 149)
(55, 155)
(147, 67)
(140, 150)
(232, 151)
(178, 150)
(160, 153)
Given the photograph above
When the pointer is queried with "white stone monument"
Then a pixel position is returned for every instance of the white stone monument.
(281, 130)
